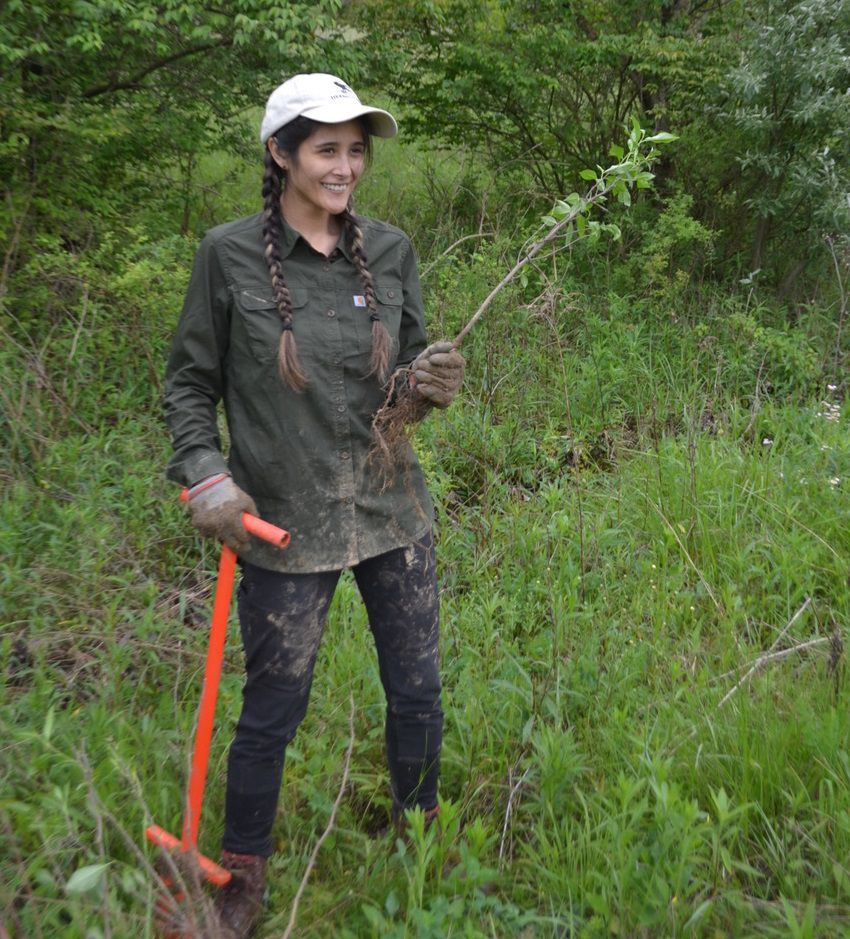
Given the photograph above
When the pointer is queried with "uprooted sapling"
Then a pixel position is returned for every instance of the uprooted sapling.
(568, 220)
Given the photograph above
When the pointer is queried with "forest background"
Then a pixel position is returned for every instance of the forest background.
(642, 490)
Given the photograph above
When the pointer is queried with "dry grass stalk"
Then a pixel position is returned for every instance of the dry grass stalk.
(191, 915)
(328, 828)
(772, 656)
(514, 788)
(769, 657)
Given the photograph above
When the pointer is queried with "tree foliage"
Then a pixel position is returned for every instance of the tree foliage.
(788, 103)
(108, 105)
(547, 85)
(99, 96)
(757, 92)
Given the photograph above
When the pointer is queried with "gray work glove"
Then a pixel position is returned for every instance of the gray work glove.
(216, 507)
(437, 373)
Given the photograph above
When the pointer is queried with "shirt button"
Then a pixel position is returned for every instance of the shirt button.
(344, 455)
(326, 267)
(391, 294)
(340, 408)
(331, 312)
(337, 360)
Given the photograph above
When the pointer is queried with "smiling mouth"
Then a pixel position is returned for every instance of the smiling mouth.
(335, 187)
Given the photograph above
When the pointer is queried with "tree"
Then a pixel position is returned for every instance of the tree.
(99, 97)
(543, 84)
(787, 104)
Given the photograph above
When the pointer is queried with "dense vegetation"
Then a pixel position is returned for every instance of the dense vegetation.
(642, 491)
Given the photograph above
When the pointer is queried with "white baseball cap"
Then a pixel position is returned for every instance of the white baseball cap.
(324, 98)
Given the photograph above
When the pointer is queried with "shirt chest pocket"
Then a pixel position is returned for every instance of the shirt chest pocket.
(389, 296)
(260, 320)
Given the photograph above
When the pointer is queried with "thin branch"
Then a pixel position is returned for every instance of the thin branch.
(79, 329)
(14, 241)
(429, 267)
(194, 912)
(771, 656)
(312, 862)
(842, 311)
(823, 909)
(763, 660)
(805, 605)
(773, 645)
(133, 82)
(756, 407)
(597, 195)
(513, 791)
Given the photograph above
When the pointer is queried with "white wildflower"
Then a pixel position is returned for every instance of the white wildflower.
(830, 412)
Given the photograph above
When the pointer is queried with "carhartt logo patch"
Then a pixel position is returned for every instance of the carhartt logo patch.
(359, 301)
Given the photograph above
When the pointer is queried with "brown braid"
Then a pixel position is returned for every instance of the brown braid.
(288, 363)
(381, 342)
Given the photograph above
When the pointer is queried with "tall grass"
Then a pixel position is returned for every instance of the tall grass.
(637, 491)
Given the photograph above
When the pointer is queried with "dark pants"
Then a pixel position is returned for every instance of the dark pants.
(282, 617)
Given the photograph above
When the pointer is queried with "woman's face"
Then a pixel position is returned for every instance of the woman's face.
(327, 165)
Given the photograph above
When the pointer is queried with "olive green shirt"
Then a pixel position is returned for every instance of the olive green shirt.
(302, 456)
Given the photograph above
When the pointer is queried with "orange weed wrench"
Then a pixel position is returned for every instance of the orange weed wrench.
(188, 844)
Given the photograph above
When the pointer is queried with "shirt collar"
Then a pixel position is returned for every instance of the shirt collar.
(291, 237)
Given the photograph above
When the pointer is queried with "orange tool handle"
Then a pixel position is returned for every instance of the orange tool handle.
(212, 672)
(212, 872)
(209, 696)
(279, 537)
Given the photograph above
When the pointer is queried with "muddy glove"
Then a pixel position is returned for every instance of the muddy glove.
(437, 373)
(216, 505)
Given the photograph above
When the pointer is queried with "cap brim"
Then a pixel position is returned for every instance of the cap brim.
(381, 123)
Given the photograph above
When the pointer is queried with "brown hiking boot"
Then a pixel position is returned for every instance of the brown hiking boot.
(240, 903)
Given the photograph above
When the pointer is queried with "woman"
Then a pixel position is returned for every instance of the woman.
(296, 319)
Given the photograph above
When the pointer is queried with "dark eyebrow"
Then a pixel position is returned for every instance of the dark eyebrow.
(336, 143)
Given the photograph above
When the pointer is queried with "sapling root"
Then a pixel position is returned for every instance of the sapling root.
(402, 408)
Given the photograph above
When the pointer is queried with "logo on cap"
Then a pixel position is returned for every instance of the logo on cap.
(343, 87)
